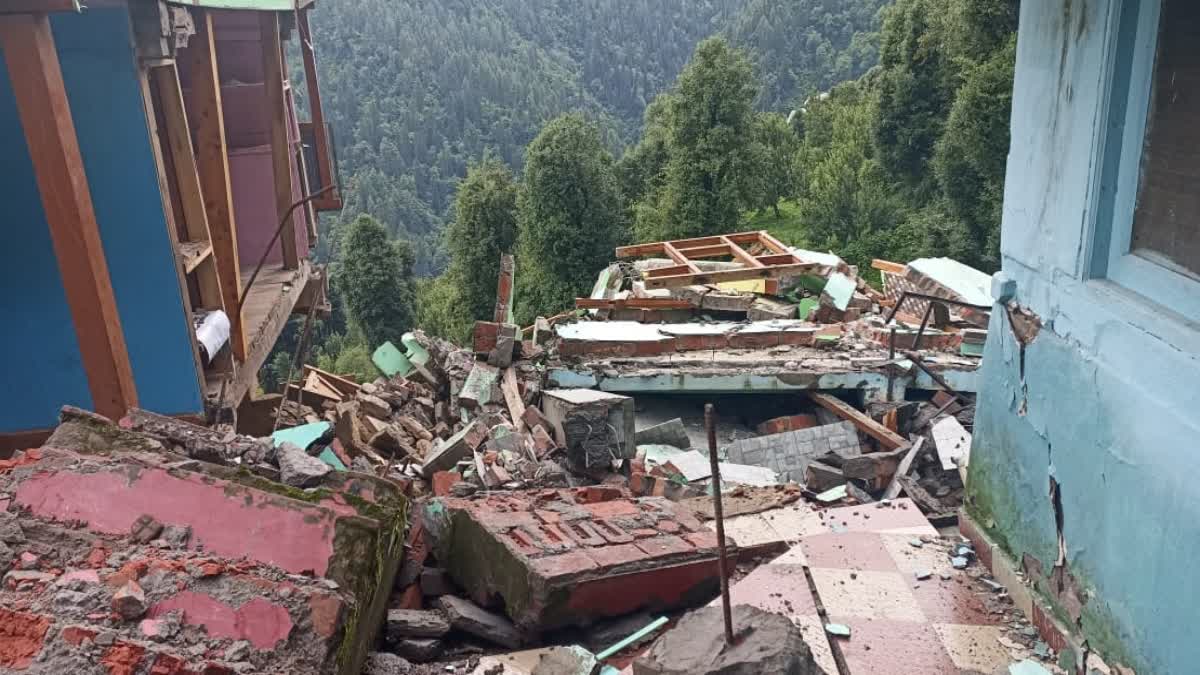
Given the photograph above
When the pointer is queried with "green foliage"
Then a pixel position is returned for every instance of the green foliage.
(570, 219)
(777, 143)
(353, 361)
(375, 278)
(712, 164)
(802, 47)
(484, 227)
(784, 222)
(970, 158)
(915, 89)
(441, 308)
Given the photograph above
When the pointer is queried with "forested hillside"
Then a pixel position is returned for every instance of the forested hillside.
(417, 89)
(558, 130)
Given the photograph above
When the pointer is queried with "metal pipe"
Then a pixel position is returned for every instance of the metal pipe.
(710, 425)
(267, 251)
(924, 323)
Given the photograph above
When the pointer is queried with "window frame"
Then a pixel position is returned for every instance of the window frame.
(1129, 80)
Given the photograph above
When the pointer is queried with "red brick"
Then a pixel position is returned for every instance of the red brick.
(75, 635)
(409, 598)
(611, 556)
(563, 566)
(660, 546)
(798, 338)
(612, 532)
(21, 638)
(595, 494)
(668, 526)
(444, 480)
(756, 340)
(123, 658)
(548, 516)
(582, 533)
(612, 509)
(697, 343)
(645, 533)
(703, 539)
(326, 611)
(169, 664)
(779, 425)
(484, 338)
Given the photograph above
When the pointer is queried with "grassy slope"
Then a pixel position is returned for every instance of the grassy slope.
(786, 228)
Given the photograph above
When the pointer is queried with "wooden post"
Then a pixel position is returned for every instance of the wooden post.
(333, 199)
(277, 119)
(41, 96)
(212, 162)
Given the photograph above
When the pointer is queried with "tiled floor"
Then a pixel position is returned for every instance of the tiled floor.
(864, 565)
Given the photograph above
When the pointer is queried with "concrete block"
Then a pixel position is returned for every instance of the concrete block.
(446, 454)
(406, 623)
(820, 477)
(727, 302)
(671, 433)
(471, 619)
(594, 427)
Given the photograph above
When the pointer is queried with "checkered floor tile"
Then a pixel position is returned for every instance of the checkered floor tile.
(864, 567)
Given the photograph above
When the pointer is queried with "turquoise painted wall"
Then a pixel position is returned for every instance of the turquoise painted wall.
(40, 351)
(1105, 399)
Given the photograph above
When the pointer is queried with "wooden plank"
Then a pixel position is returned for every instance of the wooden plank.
(890, 267)
(192, 253)
(332, 200)
(886, 437)
(37, 6)
(778, 259)
(893, 489)
(45, 114)
(773, 244)
(346, 386)
(512, 397)
(773, 272)
(714, 251)
(667, 271)
(212, 162)
(740, 254)
(277, 118)
(632, 303)
(179, 140)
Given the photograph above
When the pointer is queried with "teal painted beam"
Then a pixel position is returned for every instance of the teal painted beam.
(750, 383)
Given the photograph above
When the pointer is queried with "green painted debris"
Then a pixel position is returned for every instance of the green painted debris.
(304, 434)
(970, 350)
(390, 361)
(838, 629)
(811, 283)
(828, 339)
(636, 637)
(1027, 667)
(840, 290)
(807, 305)
(831, 495)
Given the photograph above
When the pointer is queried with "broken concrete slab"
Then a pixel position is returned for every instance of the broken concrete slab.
(764, 643)
(820, 477)
(594, 427)
(420, 623)
(297, 468)
(953, 443)
(559, 558)
(765, 308)
(446, 454)
(715, 301)
(671, 432)
(472, 619)
(790, 452)
(876, 468)
(479, 389)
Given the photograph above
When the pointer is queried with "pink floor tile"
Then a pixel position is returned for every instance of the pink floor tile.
(878, 595)
(848, 550)
(888, 647)
(974, 648)
(898, 517)
(781, 589)
(957, 601)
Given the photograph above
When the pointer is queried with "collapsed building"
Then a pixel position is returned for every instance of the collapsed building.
(548, 485)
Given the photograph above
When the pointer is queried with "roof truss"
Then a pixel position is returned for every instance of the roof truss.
(761, 256)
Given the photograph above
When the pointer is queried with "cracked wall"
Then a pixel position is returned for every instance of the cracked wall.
(1085, 438)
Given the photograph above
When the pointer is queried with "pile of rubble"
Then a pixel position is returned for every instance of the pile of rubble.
(494, 497)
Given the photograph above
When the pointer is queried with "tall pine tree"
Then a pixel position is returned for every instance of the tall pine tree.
(375, 278)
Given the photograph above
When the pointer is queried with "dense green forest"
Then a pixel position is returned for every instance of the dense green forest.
(557, 130)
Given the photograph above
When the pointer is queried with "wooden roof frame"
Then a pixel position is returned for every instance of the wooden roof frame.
(778, 262)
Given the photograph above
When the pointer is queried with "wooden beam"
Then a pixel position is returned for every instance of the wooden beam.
(741, 255)
(333, 199)
(41, 97)
(890, 267)
(277, 121)
(667, 271)
(772, 243)
(714, 251)
(37, 6)
(744, 274)
(633, 303)
(512, 397)
(887, 438)
(212, 161)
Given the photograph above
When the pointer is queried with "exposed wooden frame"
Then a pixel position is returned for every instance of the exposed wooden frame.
(197, 251)
(212, 161)
(889, 267)
(192, 256)
(41, 97)
(777, 262)
(277, 119)
(332, 200)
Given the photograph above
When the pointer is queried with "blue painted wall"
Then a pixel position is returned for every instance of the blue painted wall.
(1105, 399)
(96, 54)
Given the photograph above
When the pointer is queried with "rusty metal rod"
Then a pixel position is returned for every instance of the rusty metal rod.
(710, 425)
(891, 366)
